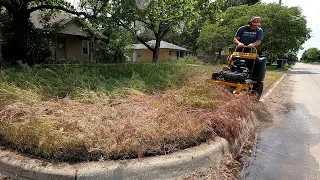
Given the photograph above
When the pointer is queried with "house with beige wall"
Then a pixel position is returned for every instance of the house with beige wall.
(72, 41)
(167, 52)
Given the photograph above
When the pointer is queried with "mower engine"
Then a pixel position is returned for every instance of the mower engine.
(236, 72)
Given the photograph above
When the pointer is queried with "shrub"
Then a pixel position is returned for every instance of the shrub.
(23, 43)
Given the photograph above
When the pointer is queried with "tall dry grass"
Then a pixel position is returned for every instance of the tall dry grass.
(167, 110)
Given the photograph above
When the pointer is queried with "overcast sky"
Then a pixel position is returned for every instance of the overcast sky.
(310, 10)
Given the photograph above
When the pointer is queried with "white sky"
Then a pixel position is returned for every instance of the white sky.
(309, 8)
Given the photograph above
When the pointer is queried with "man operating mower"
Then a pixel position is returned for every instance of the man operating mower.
(251, 35)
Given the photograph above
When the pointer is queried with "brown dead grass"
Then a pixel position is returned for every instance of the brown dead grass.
(137, 125)
(142, 125)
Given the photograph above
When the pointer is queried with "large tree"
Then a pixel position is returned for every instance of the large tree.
(311, 55)
(284, 27)
(160, 16)
(232, 3)
(213, 39)
(190, 34)
(21, 40)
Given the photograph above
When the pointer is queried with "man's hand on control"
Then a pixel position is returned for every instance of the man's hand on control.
(251, 45)
(240, 44)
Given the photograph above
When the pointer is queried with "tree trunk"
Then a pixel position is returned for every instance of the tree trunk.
(270, 61)
(15, 33)
(21, 41)
(156, 49)
(219, 55)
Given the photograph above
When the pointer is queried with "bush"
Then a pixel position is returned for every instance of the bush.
(22, 42)
(110, 54)
(112, 49)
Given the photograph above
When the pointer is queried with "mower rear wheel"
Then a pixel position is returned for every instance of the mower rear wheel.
(258, 88)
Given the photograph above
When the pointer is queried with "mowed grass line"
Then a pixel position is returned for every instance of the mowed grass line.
(273, 74)
(83, 113)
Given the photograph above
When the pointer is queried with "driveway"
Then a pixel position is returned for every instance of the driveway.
(289, 147)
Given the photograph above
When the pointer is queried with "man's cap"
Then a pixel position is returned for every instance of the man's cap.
(255, 20)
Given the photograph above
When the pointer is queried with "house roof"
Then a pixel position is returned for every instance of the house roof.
(60, 18)
(163, 45)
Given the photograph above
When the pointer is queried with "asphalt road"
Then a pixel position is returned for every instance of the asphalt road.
(289, 147)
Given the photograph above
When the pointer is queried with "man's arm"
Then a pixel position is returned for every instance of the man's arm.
(255, 44)
(237, 37)
(237, 42)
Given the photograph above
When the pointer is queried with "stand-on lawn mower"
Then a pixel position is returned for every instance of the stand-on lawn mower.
(245, 72)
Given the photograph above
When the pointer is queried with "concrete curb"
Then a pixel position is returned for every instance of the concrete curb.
(160, 167)
(272, 88)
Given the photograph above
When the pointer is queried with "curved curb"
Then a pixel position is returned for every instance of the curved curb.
(160, 167)
(272, 88)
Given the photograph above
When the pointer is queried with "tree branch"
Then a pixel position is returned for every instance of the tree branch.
(166, 29)
(144, 43)
(59, 8)
(149, 25)
(139, 39)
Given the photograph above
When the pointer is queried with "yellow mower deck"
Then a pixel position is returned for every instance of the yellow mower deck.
(239, 87)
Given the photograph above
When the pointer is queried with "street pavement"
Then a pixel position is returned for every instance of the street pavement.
(289, 147)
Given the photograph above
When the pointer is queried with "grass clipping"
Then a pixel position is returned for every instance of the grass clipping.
(67, 130)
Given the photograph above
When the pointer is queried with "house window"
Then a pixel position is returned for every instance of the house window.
(85, 47)
(170, 52)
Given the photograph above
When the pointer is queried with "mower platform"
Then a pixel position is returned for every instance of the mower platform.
(238, 87)
(243, 72)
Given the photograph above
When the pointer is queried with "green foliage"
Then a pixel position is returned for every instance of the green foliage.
(112, 48)
(284, 28)
(291, 56)
(161, 17)
(311, 55)
(23, 42)
(213, 38)
(72, 81)
(191, 60)
(232, 3)
(147, 35)
(208, 13)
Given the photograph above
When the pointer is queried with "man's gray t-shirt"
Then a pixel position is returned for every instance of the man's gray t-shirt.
(248, 36)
